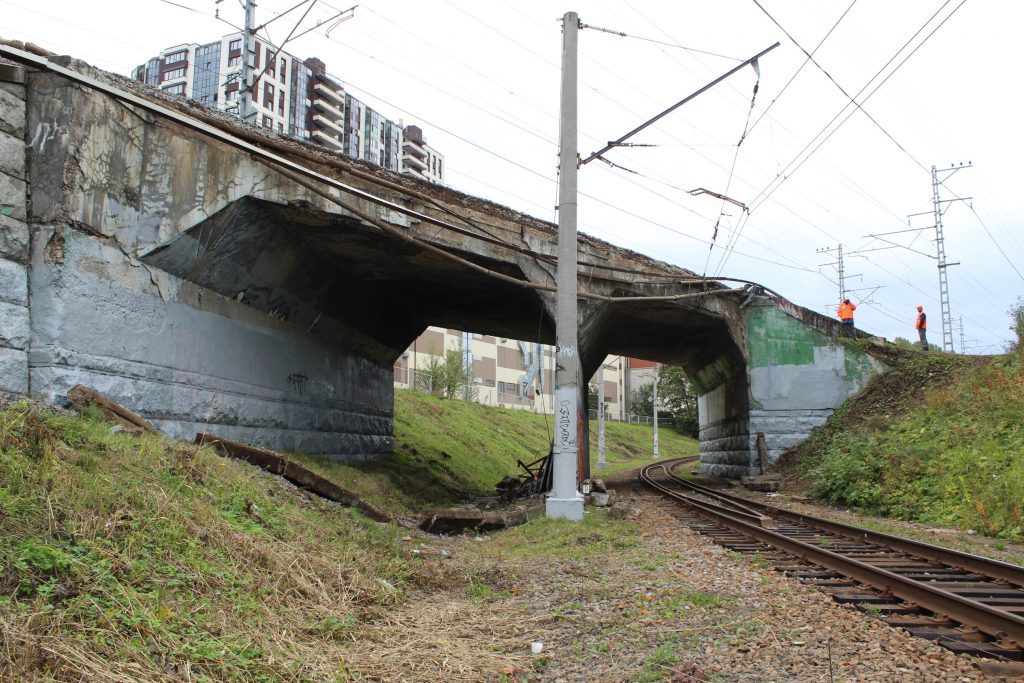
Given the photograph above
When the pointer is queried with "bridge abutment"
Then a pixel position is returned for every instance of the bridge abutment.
(14, 233)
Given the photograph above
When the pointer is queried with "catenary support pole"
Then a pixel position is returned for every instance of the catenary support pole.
(565, 500)
(601, 464)
(654, 402)
(246, 109)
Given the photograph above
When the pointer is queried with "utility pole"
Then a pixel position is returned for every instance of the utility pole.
(654, 402)
(245, 108)
(840, 265)
(601, 464)
(963, 341)
(565, 500)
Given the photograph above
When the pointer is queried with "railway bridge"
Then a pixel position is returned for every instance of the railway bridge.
(217, 278)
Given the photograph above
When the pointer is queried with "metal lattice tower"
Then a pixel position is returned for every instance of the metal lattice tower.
(940, 251)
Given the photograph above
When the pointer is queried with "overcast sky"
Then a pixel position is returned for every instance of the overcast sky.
(481, 79)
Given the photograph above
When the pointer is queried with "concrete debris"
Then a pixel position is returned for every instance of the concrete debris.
(293, 472)
(601, 499)
(624, 511)
(81, 396)
(764, 482)
(598, 486)
(458, 520)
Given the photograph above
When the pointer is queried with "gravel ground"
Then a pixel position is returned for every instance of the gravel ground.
(674, 606)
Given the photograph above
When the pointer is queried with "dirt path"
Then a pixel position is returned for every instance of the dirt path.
(666, 604)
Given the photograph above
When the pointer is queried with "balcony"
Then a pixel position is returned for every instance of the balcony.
(325, 139)
(412, 162)
(332, 95)
(413, 149)
(327, 108)
(332, 126)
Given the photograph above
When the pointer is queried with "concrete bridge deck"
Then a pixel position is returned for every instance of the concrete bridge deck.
(214, 277)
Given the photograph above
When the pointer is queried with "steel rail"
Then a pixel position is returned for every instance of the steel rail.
(1001, 626)
(995, 569)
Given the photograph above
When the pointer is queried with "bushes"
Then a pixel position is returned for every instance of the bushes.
(955, 459)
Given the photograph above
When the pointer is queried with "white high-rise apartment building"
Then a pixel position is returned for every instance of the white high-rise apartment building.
(291, 96)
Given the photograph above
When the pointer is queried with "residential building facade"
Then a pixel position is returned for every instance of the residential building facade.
(420, 159)
(506, 372)
(291, 96)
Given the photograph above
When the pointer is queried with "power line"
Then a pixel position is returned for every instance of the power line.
(801, 67)
(841, 89)
(784, 175)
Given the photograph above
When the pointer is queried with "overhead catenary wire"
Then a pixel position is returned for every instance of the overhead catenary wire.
(801, 158)
(806, 61)
(858, 105)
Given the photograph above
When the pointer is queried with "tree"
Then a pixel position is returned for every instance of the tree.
(676, 400)
(449, 377)
(1017, 325)
(592, 398)
(641, 401)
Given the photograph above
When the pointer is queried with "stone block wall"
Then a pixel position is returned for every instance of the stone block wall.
(14, 233)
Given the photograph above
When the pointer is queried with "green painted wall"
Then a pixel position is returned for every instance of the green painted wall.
(775, 338)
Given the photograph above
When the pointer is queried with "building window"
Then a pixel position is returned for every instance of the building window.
(175, 73)
(176, 57)
(268, 96)
(235, 61)
(284, 69)
(268, 122)
(280, 103)
(178, 89)
(232, 95)
(235, 45)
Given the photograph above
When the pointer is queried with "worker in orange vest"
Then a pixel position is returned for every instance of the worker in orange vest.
(845, 313)
(921, 325)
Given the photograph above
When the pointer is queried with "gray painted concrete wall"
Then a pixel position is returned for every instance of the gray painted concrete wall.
(799, 376)
(14, 233)
(190, 360)
(107, 185)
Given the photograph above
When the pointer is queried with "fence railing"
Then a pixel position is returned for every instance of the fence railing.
(515, 400)
(633, 419)
(413, 379)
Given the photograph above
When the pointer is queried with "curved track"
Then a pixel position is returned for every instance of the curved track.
(964, 602)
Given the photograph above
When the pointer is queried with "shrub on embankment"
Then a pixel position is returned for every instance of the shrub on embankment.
(939, 439)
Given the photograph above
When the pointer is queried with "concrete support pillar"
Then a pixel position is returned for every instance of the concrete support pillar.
(14, 233)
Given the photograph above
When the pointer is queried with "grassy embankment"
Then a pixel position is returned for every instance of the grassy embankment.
(470, 447)
(129, 558)
(939, 440)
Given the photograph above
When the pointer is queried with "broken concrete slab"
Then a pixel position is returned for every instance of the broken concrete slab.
(458, 520)
(767, 483)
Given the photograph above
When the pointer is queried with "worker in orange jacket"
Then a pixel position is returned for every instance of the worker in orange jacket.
(921, 325)
(845, 313)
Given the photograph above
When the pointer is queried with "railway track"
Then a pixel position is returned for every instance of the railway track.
(966, 603)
